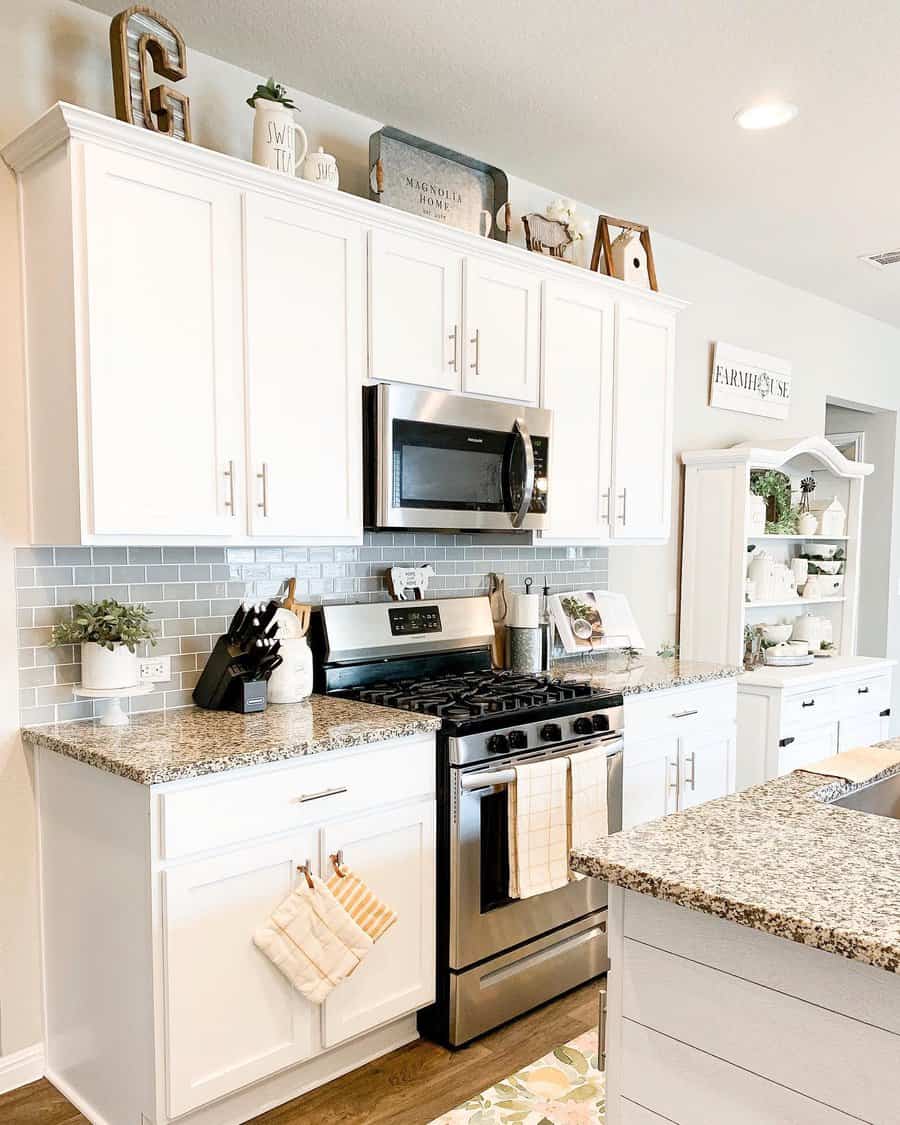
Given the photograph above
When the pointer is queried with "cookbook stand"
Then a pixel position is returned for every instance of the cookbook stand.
(114, 715)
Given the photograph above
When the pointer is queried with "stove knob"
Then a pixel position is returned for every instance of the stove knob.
(600, 722)
(498, 744)
(583, 725)
(518, 740)
(551, 732)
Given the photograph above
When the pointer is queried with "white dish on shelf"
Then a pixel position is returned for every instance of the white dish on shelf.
(776, 634)
(789, 661)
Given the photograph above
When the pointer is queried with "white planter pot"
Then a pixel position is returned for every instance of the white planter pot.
(104, 669)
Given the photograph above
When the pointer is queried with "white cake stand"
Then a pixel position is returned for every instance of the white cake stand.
(114, 715)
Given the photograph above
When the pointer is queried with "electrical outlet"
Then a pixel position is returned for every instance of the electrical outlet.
(154, 669)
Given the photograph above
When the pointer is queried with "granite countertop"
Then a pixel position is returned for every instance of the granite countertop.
(168, 746)
(777, 858)
(607, 673)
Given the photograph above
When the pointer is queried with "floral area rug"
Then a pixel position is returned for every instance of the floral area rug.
(562, 1088)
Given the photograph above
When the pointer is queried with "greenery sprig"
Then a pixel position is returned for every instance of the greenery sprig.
(271, 91)
(105, 623)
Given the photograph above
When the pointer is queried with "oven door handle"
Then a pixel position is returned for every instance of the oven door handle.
(520, 432)
(488, 778)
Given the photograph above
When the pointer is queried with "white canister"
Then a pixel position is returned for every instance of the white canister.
(800, 569)
(807, 524)
(292, 680)
(104, 669)
(833, 520)
(275, 134)
(756, 515)
(321, 168)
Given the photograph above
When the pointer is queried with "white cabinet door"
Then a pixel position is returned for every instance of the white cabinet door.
(231, 1018)
(415, 311)
(649, 779)
(861, 730)
(502, 331)
(393, 853)
(163, 377)
(707, 765)
(577, 386)
(804, 747)
(305, 357)
(642, 427)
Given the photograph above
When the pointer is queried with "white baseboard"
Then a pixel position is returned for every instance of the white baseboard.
(21, 1067)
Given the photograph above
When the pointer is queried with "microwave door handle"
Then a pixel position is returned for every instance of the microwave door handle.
(520, 431)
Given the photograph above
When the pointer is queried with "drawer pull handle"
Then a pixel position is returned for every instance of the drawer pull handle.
(808, 703)
(684, 714)
(304, 797)
(862, 691)
(786, 741)
(886, 713)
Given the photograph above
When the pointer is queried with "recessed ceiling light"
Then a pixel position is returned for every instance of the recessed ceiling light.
(768, 115)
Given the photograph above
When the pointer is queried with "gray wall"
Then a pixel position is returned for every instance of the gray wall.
(193, 591)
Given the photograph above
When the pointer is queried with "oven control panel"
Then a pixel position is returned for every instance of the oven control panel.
(603, 724)
(410, 620)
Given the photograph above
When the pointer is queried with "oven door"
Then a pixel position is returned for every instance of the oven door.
(484, 920)
(448, 461)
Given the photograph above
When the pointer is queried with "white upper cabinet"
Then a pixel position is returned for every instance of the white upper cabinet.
(164, 347)
(305, 364)
(415, 311)
(577, 385)
(502, 331)
(642, 428)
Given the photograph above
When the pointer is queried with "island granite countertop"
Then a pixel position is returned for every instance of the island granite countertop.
(607, 673)
(775, 857)
(170, 745)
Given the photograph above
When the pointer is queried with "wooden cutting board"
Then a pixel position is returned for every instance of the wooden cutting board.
(499, 609)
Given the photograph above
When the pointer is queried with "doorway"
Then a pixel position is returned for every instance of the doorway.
(869, 434)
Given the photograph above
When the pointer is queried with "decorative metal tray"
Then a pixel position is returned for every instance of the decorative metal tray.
(426, 179)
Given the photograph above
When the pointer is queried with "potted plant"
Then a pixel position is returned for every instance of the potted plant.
(275, 131)
(108, 633)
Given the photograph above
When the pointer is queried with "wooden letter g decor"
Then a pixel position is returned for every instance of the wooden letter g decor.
(138, 37)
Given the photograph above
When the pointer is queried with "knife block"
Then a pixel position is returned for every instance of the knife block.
(225, 686)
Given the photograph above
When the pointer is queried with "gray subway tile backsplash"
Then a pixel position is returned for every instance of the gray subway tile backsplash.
(193, 591)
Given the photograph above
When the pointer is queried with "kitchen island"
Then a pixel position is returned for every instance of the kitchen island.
(755, 951)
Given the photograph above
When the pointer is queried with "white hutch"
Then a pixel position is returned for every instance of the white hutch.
(787, 717)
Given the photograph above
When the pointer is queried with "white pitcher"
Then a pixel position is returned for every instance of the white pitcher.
(762, 574)
(275, 134)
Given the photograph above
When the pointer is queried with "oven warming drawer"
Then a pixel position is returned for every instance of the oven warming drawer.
(487, 995)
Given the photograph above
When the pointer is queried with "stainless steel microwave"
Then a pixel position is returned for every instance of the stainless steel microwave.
(437, 460)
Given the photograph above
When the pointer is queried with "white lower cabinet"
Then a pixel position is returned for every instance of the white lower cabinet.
(231, 1017)
(680, 749)
(173, 1013)
(394, 852)
(787, 722)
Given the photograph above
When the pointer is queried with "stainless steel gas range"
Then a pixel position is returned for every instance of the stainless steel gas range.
(497, 957)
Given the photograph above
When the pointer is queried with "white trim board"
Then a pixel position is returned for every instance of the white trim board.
(21, 1067)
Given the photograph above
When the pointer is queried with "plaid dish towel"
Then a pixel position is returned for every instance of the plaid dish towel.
(538, 828)
(373, 916)
(312, 940)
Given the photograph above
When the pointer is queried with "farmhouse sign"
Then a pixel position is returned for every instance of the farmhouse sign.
(750, 382)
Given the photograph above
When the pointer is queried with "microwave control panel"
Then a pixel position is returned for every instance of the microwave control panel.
(541, 468)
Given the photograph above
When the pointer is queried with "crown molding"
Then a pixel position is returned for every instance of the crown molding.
(778, 453)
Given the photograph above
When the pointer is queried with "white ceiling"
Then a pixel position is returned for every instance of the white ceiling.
(627, 105)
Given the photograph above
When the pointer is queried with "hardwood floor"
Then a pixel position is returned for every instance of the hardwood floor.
(407, 1087)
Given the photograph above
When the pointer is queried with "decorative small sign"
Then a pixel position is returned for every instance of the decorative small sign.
(426, 179)
(143, 42)
(750, 382)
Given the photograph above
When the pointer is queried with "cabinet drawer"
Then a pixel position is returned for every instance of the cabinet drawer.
(868, 696)
(808, 708)
(652, 714)
(806, 745)
(691, 1087)
(230, 809)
